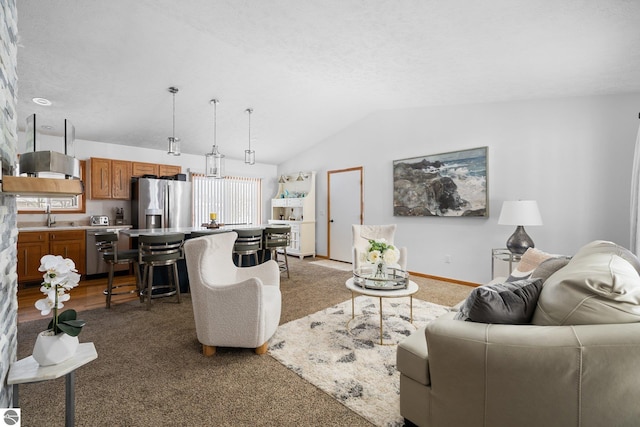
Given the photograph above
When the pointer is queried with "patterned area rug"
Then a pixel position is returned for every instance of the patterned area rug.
(337, 265)
(348, 363)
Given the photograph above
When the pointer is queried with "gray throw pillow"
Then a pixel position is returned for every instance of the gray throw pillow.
(529, 261)
(507, 303)
(548, 267)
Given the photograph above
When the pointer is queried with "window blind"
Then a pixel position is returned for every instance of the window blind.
(235, 200)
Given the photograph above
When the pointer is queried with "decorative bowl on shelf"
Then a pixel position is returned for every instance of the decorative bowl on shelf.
(369, 277)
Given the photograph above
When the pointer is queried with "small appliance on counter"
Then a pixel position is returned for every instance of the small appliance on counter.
(98, 220)
(119, 216)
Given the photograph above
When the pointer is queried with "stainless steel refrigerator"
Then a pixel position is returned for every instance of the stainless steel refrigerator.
(160, 203)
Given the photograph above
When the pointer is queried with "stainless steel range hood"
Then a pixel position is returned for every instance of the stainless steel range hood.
(37, 162)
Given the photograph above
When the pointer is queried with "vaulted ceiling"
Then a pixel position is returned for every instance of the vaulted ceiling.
(308, 68)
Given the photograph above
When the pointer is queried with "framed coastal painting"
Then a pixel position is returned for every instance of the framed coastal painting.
(450, 184)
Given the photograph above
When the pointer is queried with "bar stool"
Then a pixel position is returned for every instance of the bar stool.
(248, 242)
(107, 244)
(276, 238)
(160, 250)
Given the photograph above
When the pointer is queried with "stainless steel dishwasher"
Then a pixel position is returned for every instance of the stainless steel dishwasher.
(95, 264)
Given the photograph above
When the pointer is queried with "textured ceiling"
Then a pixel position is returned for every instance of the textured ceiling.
(308, 68)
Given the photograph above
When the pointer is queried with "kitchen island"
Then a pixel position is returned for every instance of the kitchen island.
(183, 277)
(135, 232)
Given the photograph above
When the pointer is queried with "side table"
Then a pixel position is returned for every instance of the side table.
(499, 257)
(27, 370)
(411, 289)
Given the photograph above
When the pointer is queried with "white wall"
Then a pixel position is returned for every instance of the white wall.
(572, 155)
(85, 149)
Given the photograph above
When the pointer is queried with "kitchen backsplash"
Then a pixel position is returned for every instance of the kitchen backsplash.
(93, 207)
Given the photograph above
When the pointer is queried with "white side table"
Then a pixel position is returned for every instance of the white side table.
(411, 289)
(27, 370)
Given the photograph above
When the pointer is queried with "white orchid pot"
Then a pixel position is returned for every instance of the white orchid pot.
(53, 349)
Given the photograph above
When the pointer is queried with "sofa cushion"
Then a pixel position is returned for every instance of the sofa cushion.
(411, 357)
(509, 302)
(600, 284)
(529, 261)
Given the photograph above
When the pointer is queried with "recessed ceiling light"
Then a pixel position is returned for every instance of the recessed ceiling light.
(46, 127)
(42, 101)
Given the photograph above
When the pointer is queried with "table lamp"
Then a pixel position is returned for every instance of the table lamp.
(520, 213)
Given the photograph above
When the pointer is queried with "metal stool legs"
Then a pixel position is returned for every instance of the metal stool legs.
(110, 287)
(146, 291)
(283, 265)
(160, 251)
(107, 244)
(278, 238)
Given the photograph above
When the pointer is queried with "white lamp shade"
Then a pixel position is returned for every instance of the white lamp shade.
(520, 212)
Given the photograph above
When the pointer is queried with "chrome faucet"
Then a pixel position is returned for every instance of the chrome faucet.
(50, 220)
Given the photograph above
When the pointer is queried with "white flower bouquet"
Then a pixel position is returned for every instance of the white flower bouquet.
(380, 252)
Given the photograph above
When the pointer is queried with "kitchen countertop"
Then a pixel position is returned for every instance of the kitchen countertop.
(72, 227)
(135, 232)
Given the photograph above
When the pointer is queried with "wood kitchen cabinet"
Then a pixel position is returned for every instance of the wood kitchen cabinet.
(33, 245)
(69, 244)
(169, 170)
(100, 176)
(110, 179)
(140, 169)
(121, 179)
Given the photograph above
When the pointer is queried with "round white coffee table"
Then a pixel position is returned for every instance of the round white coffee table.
(411, 289)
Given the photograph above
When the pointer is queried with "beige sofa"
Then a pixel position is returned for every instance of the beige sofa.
(576, 364)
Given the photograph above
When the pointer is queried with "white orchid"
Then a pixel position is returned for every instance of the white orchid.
(60, 275)
(58, 271)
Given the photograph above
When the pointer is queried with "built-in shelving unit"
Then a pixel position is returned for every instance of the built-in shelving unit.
(295, 205)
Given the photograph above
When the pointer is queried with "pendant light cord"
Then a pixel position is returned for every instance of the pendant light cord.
(249, 110)
(215, 122)
(174, 90)
(173, 134)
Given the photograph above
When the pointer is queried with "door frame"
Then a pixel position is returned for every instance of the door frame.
(356, 168)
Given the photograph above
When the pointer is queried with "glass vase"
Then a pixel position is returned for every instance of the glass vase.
(381, 272)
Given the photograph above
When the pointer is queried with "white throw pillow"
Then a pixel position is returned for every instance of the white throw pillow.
(529, 261)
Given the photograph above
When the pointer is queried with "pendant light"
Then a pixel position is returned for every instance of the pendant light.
(174, 143)
(214, 160)
(249, 155)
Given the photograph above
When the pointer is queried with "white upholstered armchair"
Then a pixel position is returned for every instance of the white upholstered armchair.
(233, 307)
(363, 233)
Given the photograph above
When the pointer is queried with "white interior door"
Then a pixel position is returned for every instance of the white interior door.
(345, 209)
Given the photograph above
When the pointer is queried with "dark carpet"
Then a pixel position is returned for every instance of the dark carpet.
(150, 370)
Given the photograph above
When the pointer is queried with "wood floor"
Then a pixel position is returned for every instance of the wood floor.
(86, 296)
